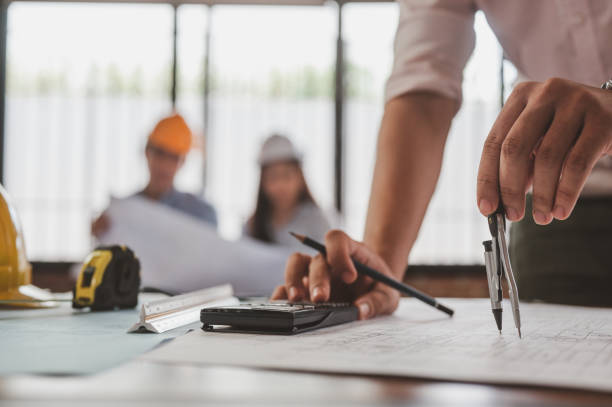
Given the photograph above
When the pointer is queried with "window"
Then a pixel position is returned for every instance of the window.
(271, 72)
(84, 88)
(368, 61)
(453, 228)
(191, 52)
(87, 82)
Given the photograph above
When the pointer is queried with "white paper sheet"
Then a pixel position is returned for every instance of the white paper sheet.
(562, 346)
(180, 253)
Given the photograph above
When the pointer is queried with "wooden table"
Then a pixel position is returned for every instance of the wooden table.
(146, 383)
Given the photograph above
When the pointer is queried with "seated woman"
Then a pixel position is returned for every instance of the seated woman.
(284, 202)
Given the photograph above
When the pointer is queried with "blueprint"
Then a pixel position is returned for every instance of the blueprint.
(562, 346)
(65, 341)
(179, 253)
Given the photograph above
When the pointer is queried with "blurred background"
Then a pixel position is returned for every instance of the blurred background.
(86, 82)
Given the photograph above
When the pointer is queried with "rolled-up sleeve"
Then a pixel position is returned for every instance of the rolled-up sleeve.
(434, 41)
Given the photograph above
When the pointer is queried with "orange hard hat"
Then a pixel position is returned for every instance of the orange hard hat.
(172, 134)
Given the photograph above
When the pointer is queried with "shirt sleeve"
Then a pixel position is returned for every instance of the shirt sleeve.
(434, 41)
(209, 214)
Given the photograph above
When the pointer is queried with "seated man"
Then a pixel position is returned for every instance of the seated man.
(165, 151)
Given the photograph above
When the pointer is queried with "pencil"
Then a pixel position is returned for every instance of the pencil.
(378, 276)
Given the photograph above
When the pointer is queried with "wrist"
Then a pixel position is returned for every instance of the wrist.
(390, 254)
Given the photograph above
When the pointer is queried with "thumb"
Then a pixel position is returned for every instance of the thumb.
(380, 300)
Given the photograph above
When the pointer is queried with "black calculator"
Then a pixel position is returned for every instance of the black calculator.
(276, 317)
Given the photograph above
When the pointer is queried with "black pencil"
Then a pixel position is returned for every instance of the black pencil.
(375, 275)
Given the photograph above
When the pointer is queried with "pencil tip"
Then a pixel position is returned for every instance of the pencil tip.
(297, 236)
(500, 331)
(520, 336)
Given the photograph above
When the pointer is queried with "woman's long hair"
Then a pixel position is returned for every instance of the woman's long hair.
(259, 223)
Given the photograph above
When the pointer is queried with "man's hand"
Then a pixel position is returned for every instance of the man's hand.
(334, 278)
(100, 225)
(549, 135)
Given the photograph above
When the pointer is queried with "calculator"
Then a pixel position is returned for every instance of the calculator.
(279, 318)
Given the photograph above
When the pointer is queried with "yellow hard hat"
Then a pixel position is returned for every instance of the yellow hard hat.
(15, 270)
(172, 134)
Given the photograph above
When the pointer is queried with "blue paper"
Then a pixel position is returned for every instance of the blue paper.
(62, 341)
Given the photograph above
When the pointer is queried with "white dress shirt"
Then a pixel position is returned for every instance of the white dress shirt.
(570, 39)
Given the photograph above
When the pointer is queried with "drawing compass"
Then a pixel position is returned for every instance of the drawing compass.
(497, 263)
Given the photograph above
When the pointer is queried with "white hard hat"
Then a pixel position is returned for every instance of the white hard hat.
(277, 148)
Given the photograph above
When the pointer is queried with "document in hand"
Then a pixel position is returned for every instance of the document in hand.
(562, 346)
(179, 253)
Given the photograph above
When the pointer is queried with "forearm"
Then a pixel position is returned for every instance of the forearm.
(409, 156)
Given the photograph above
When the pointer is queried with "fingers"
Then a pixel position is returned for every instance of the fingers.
(319, 279)
(381, 300)
(280, 293)
(515, 158)
(591, 145)
(549, 159)
(295, 271)
(340, 247)
(487, 194)
(314, 279)
(561, 132)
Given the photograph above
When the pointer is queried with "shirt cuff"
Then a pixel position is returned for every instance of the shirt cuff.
(398, 85)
